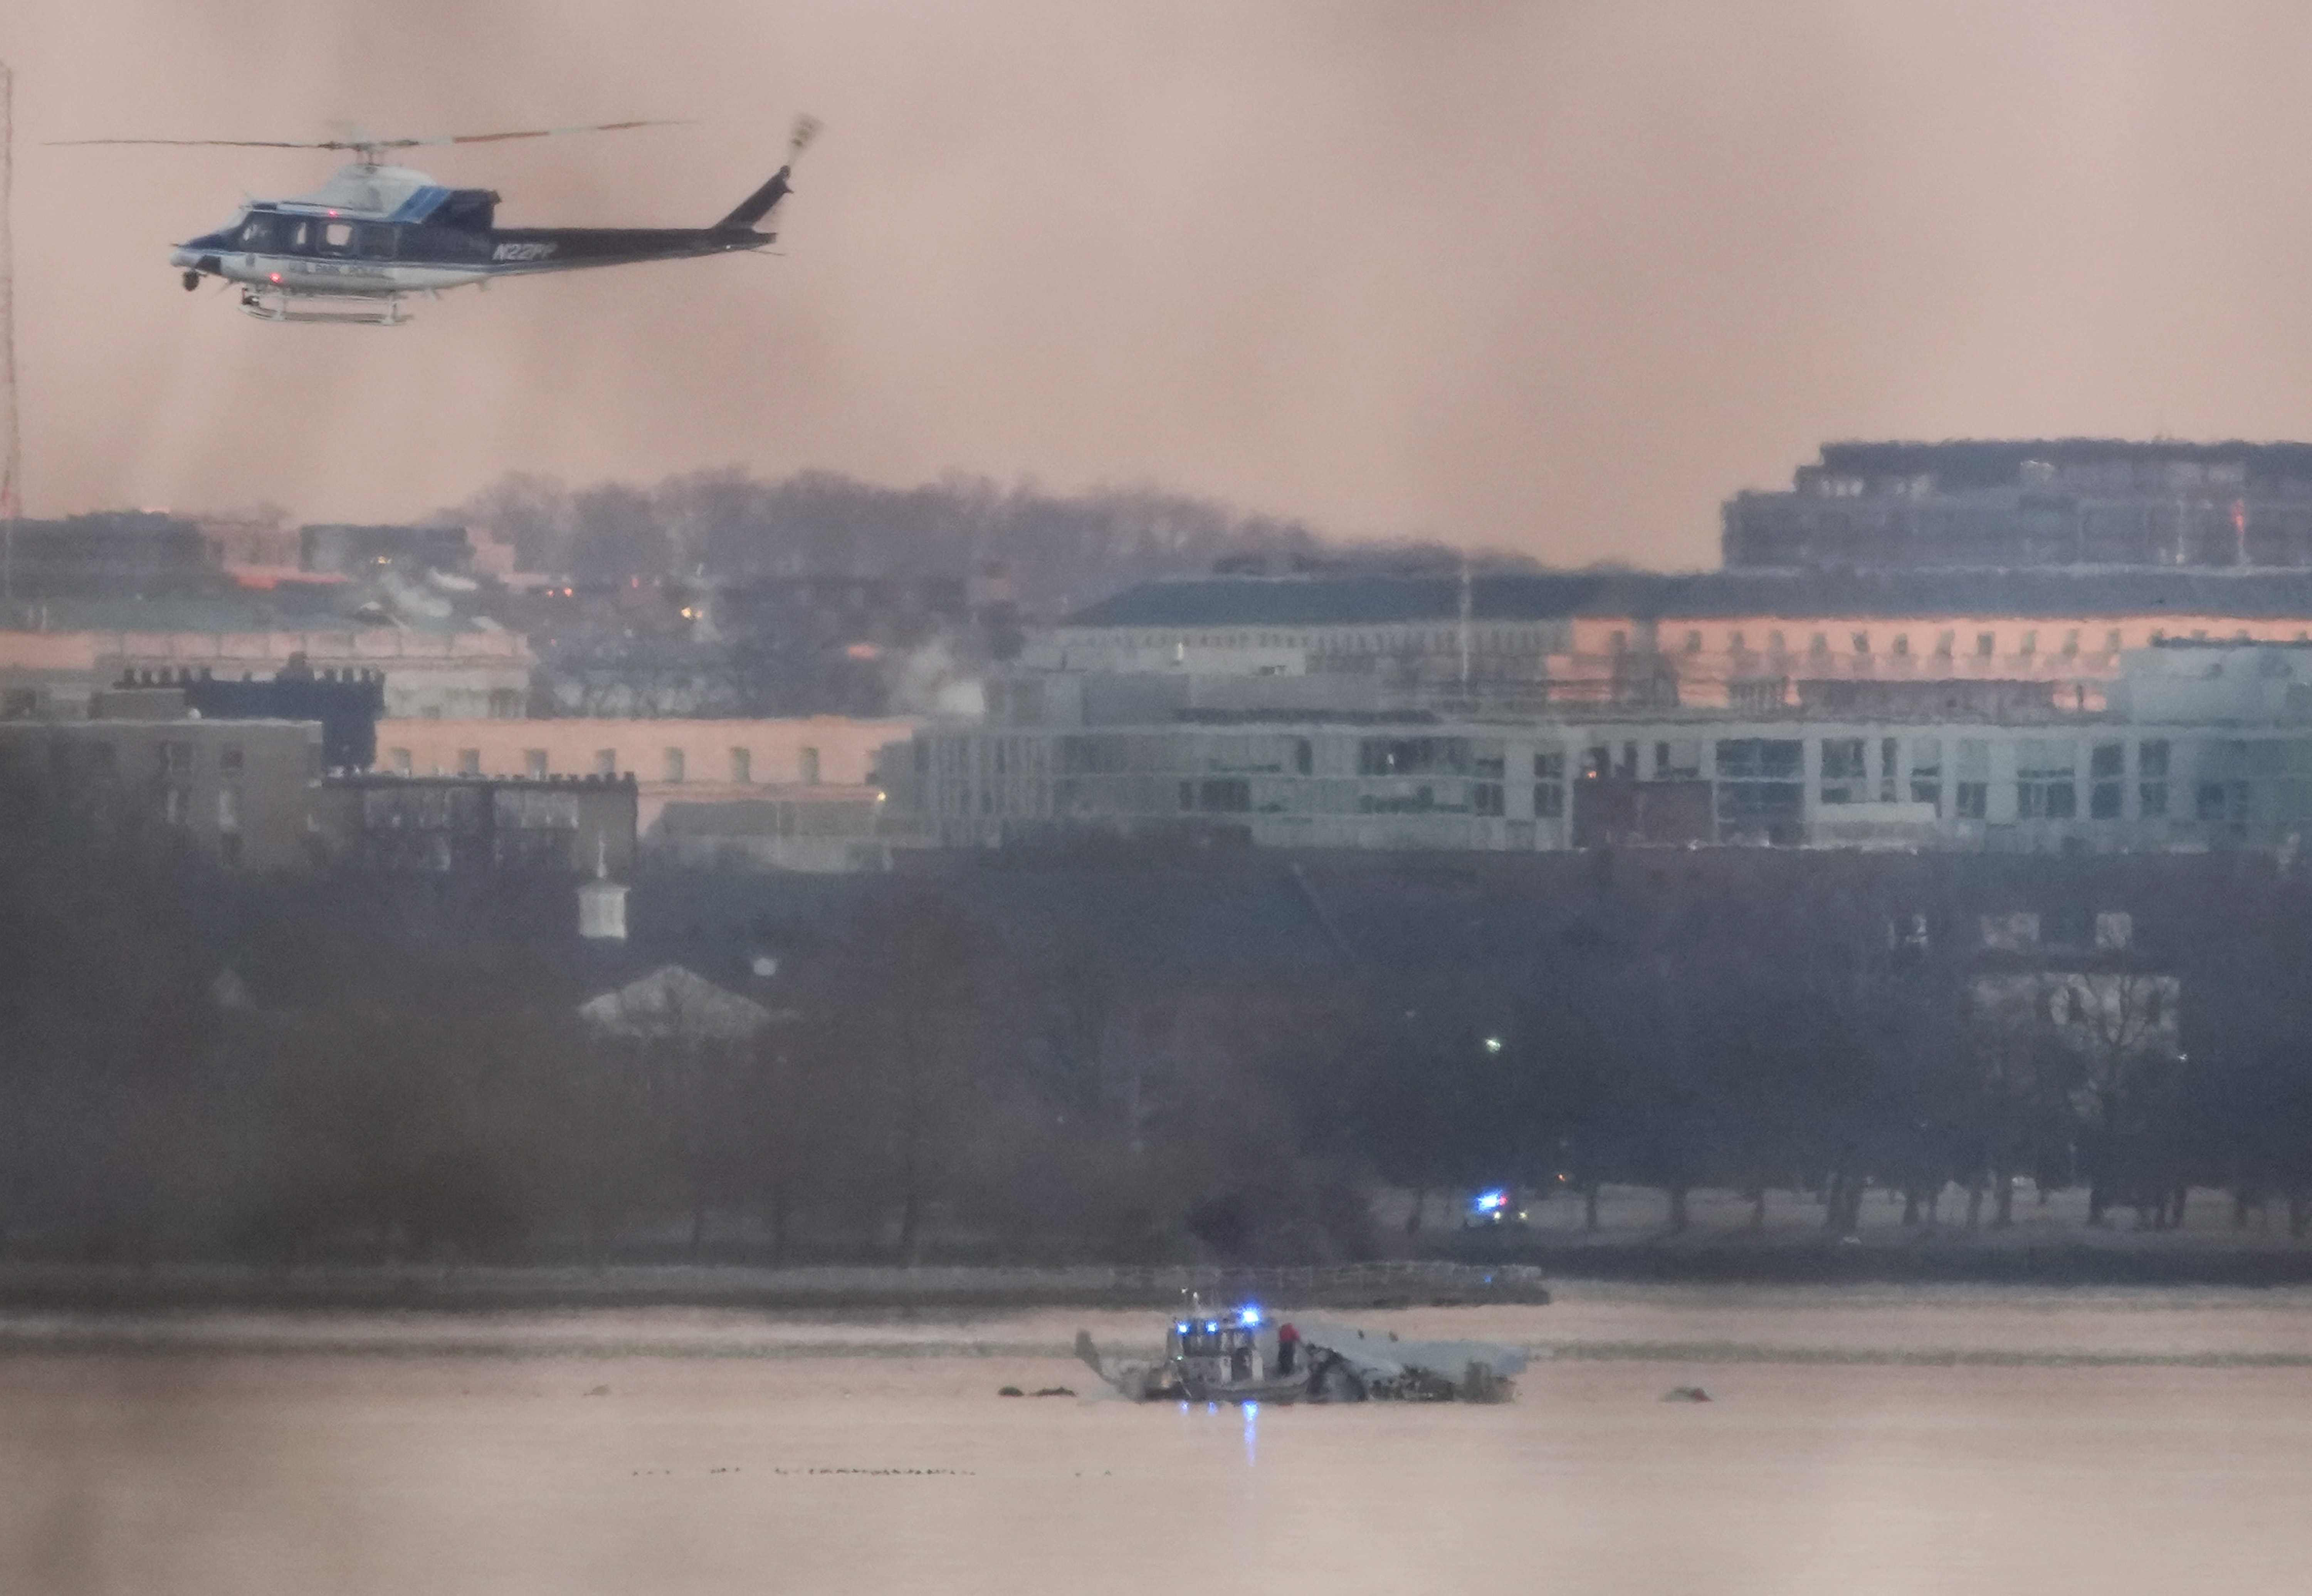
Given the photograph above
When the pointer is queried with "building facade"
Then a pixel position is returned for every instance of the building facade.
(52, 672)
(1738, 640)
(2044, 502)
(240, 792)
(464, 825)
(828, 758)
(2195, 747)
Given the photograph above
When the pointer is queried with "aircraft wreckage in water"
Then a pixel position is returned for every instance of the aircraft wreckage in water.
(1238, 1355)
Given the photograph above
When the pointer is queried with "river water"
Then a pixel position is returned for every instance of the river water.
(1890, 1441)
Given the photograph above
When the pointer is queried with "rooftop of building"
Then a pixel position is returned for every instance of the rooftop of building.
(2246, 593)
(290, 606)
(1996, 462)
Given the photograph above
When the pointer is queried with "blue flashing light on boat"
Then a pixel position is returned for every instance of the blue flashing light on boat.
(1250, 1315)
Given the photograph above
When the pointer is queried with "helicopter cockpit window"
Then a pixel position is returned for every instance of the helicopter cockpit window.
(260, 231)
(336, 236)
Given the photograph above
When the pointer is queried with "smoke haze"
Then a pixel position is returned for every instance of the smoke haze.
(1551, 278)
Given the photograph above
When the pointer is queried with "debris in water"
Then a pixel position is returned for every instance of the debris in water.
(599, 1390)
(1011, 1391)
(1686, 1394)
(1055, 1390)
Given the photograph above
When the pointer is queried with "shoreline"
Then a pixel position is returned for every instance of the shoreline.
(1485, 1270)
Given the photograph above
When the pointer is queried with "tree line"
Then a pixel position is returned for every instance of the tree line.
(1060, 551)
(195, 1064)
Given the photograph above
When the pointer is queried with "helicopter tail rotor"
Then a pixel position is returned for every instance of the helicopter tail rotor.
(762, 201)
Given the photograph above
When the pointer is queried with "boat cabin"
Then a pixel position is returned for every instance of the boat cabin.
(1210, 1351)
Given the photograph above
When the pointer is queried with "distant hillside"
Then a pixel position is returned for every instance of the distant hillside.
(1061, 551)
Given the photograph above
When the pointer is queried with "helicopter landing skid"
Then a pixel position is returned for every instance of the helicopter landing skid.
(370, 310)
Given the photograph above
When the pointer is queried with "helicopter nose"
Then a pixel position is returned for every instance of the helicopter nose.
(180, 256)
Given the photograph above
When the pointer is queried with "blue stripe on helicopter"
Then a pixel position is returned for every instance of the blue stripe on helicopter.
(421, 205)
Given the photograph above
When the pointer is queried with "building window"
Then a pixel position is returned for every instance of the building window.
(2030, 645)
(2151, 779)
(1304, 756)
(1985, 644)
(1902, 645)
(1927, 772)
(1774, 642)
(1818, 644)
(807, 767)
(1679, 760)
(229, 759)
(1694, 642)
(674, 764)
(2070, 642)
(397, 761)
(1844, 776)
(1890, 752)
(742, 766)
(1945, 642)
(533, 763)
(176, 759)
(1761, 791)
(1487, 757)
(606, 761)
(228, 808)
(1419, 756)
(1734, 644)
(2046, 780)
(176, 804)
(470, 762)
(1227, 796)
(2107, 771)
(1485, 798)
(1549, 785)
(2111, 641)
(1971, 792)
(1863, 643)
(2222, 788)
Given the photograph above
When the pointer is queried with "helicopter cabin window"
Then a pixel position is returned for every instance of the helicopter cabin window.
(336, 236)
(375, 242)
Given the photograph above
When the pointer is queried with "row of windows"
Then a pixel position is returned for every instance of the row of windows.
(674, 765)
(1761, 781)
(2066, 641)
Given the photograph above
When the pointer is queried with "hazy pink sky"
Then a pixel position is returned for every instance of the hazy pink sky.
(1551, 277)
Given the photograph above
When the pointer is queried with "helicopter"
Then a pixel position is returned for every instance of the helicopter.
(375, 234)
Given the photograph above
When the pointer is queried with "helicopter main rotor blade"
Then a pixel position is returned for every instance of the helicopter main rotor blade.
(359, 143)
(236, 143)
(495, 138)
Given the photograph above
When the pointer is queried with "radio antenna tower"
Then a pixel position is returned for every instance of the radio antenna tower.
(12, 448)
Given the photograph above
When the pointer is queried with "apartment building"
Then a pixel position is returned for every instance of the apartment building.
(2033, 502)
(2195, 747)
(238, 791)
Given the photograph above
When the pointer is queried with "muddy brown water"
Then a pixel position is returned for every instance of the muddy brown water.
(663, 1452)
